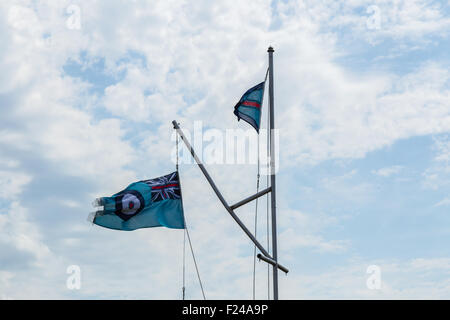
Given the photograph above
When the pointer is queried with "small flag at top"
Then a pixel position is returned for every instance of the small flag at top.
(249, 107)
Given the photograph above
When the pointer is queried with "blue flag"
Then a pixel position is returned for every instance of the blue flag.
(249, 107)
(144, 204)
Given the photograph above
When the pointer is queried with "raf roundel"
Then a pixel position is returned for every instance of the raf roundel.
(129, 203)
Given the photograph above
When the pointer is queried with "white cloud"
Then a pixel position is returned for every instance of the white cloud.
(409, 279)
(375, 21)
(12, 183)
(301, 230)
(349, 119)
(19, 233)
(443, 202)
(438, 174)
(346, 187)
(198, 59)
(388, 171)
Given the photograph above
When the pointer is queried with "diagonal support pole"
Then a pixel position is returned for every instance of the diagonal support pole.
(221, 198)
(216, 190)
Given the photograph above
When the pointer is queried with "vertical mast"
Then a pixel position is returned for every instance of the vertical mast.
(272, 176)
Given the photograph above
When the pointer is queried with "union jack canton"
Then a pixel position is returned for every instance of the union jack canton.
(165, 187)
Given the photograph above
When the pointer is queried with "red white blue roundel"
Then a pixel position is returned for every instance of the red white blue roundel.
(129, 203)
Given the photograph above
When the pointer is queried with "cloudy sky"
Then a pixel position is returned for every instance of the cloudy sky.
(88, 91)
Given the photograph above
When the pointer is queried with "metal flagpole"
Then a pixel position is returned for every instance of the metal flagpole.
(272, 177)
(265, 256)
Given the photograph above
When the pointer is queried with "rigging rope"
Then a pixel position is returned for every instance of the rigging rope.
(186, 232)
(184, 261)
(256, 206)
(195, 263)
(256, 227)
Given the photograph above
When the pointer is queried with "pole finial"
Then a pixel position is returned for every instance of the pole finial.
(270, 49)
